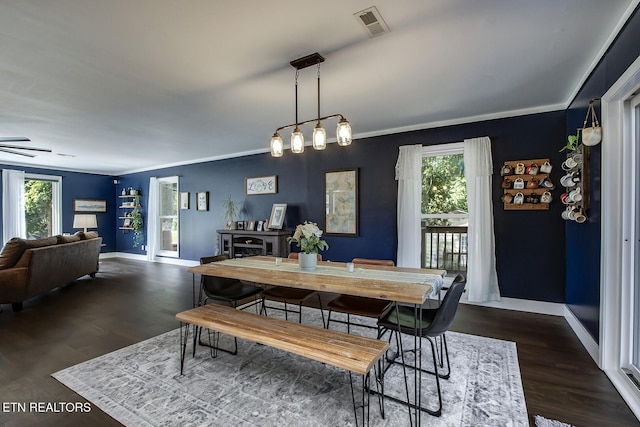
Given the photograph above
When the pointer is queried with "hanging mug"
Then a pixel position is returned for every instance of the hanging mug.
(518, 184)
(519, 198)
(533, 183)
(579, 217)
(506, 183)
(569, 164)
(520, 169)
(532, 198)
(546, 167)
(546, 197)
(532, 169)
(506, 170)
(507, 198)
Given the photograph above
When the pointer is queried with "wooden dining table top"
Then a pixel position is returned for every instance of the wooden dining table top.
(399, 284)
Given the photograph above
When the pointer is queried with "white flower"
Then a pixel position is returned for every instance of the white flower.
(307, 237)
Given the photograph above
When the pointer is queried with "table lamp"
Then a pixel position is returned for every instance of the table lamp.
(85, 221)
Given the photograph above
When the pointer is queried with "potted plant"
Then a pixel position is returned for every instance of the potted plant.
(230, 211)
(572, 143)
(307, 238)
(136, 226)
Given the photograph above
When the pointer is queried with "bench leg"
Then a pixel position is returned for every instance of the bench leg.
(215, 346)
(364, 399)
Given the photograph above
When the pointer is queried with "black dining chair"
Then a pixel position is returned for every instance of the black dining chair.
(290, 296)
(224, 290)
(429, 323)
(359, 306)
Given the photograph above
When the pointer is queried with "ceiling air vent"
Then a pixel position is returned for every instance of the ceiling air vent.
(372, 21)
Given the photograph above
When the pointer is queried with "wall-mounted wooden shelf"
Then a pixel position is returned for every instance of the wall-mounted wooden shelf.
(526, 191)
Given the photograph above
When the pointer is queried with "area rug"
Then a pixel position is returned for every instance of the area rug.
(141, 385)
(545, 422)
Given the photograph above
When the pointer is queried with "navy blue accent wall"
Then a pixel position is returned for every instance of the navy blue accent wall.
(583, 240)
(530, 244)
(76, 185)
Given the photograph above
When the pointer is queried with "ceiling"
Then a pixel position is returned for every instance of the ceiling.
(119, 86)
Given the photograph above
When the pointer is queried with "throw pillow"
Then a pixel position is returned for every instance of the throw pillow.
(67, 239)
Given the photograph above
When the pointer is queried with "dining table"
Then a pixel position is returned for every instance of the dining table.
(400, 285)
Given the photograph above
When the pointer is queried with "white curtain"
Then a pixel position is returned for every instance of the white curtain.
(152, 219)
(409, 177)
(482, 279)
(13, 221)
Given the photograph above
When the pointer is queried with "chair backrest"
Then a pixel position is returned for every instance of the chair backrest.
(447, 311)
(294, 255)
(211, 284)
(368, 261)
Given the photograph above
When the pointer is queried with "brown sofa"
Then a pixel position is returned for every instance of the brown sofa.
(33, 267)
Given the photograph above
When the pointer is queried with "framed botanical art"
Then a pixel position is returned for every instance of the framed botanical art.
(202, 199)
(184, 200)
(276, 220)
(341, 202)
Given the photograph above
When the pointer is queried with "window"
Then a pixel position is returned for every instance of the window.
(42, 205)
(168, 221)
(444, 208)
(633, 324)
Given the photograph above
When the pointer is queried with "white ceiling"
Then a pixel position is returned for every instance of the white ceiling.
(127, 85)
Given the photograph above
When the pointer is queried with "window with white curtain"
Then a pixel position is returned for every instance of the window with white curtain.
(168, 220)
(42, 205)
(444, 208)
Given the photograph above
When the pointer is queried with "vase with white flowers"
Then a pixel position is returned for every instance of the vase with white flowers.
(307, 238)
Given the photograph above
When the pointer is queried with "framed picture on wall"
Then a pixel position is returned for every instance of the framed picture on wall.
(184, 200)
(341, 202)
(81, 205)
(276, 220)
(261, 185)
(202, 198)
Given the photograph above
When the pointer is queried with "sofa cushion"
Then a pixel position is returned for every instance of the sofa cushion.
(13, 250)
(68, 239)
(91, 235)
(87, 235)
(11, 253)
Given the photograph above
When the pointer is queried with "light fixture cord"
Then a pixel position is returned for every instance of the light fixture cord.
(297, 73)
(318, 92)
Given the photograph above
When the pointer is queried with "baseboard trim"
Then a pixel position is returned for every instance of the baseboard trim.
(583, 335)
(629, 392)
(138, 257)
(540, 307)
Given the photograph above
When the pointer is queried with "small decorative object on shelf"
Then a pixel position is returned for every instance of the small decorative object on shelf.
(307, 238)
(526, 184)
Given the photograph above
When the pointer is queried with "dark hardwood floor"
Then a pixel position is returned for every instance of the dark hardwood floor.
(130, 301)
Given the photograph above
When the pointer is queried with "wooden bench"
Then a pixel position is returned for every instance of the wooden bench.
(353, 353)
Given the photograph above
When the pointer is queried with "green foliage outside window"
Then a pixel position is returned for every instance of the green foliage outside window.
(443, 187)
(38, 197)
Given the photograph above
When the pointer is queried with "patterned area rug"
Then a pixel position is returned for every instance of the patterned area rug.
(141, 385)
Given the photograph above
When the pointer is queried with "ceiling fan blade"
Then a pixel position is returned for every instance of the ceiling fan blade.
(14, 139)
(16, 147)
(15, 152)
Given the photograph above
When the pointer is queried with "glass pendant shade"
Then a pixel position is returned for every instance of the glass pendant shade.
(297, 141)
(343, 132)
(319, 137)
(277, 146)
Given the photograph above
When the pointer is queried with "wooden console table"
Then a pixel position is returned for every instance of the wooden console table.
(240, 243)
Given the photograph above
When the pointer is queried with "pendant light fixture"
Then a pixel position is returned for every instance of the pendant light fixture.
(343, 130)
